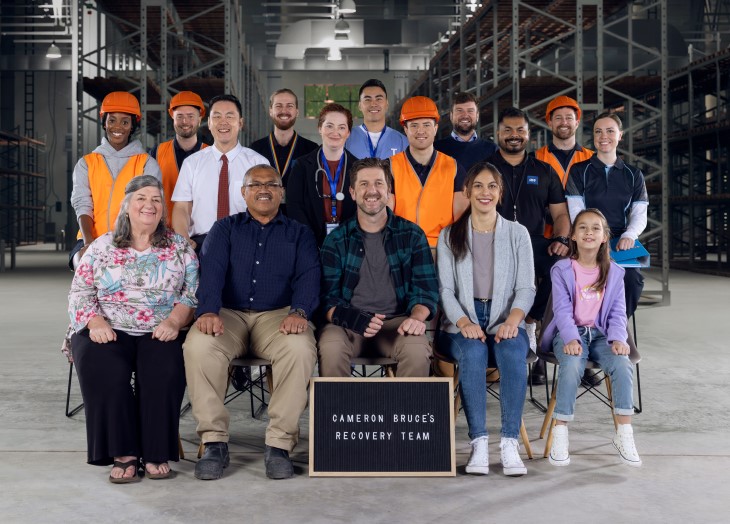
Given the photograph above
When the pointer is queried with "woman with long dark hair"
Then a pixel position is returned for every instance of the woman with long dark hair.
(487, 285)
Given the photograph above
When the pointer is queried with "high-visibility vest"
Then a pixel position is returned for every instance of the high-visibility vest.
(431, 205)
(106, 192)
(170, 172)
(545, 155)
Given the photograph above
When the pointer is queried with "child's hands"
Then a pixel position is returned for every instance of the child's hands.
(573, 348)
(619, 348)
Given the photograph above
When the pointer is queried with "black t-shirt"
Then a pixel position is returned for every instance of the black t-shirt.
(562, 155)
(529, 188)
(423, 171)
(301, 148)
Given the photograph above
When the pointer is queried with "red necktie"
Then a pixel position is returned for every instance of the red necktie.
(223, 209)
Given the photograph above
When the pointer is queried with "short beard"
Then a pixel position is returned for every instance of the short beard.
(186, 134)
(461, 130)
(284, 126)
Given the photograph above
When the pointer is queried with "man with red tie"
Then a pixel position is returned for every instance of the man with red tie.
(210, 182)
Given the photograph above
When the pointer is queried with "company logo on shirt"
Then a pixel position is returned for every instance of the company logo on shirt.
(532, 180)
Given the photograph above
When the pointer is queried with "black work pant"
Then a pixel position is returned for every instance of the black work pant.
(633, 286)
(543, 264)
(126, 420)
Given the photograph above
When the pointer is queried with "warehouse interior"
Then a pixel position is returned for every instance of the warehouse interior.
(663, 65)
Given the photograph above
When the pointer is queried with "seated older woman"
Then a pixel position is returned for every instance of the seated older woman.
(132, 292)
(486, 283)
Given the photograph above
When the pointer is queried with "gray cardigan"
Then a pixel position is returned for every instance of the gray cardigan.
(514, 277)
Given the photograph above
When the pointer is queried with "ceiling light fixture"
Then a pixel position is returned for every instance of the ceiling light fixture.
(53, 51)
(342, 29)
(347, 7)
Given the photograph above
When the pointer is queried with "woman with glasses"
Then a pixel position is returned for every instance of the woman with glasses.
(316, 190)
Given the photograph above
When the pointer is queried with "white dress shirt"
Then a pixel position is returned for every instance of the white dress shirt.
(198, 183)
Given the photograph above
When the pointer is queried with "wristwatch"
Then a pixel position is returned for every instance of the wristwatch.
(563, 240)
(298, 311)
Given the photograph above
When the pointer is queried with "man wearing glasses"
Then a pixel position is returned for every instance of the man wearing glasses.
(261, 308)
(209, 186)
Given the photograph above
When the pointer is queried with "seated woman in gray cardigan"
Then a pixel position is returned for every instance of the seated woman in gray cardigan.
(487, 285)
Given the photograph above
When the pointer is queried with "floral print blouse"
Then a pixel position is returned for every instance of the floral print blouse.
(134, 291)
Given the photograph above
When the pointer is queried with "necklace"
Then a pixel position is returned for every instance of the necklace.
(483, 230)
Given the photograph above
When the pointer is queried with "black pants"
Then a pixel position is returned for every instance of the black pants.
(543, 264)
(121, 419)
(633, 286)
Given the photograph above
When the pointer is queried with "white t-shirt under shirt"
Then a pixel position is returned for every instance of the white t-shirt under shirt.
(587, 300)
(198, 183)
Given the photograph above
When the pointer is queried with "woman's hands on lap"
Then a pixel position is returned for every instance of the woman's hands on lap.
(100, 331)
(167, 330)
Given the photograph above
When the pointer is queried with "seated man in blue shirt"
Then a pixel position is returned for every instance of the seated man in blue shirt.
(259, 284)
(379, 283)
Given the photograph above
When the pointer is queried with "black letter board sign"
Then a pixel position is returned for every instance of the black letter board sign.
(381, 427)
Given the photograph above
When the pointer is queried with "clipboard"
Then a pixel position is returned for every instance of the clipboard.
(637, 256)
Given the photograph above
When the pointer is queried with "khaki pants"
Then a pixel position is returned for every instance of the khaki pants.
(206, 367)
(337, 347)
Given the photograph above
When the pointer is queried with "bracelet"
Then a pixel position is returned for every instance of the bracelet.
(563, 240)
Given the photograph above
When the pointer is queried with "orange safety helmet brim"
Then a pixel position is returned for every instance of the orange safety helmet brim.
(562, 101)
(186, 98)
(120, 102)
(418, 107)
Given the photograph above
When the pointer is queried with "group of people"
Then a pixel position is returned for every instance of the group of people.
(193, 255)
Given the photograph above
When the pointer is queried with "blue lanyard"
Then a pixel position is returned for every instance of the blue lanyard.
(370, 142)
(333, 183)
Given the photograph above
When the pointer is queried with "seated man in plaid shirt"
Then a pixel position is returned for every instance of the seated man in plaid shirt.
(379, 284)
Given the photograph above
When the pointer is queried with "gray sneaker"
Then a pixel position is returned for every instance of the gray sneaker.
(278, 463)
(214, 460)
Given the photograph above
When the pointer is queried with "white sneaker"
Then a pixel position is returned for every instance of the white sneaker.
(532, 335)
(623, 441)
(559, 454)
(512, 464)
(479, 459)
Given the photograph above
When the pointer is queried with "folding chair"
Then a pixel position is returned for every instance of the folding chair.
(385, 366)
(548, 422)
(72, 412)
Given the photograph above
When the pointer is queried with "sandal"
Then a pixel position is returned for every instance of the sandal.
(156, 476)
(124, 466)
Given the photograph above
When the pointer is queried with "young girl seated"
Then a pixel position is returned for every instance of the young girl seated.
(590, 323)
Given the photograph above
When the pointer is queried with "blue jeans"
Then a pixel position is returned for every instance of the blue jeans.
(473, 356)
(597, 349)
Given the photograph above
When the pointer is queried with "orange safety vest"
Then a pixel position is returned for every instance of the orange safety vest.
(426, 205)
(170, 172)
(106, 192)
(545, 155)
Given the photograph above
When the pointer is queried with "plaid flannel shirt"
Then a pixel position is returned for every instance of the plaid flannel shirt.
(409, 257)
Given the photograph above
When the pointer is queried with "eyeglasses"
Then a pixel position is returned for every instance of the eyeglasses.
(258, 186)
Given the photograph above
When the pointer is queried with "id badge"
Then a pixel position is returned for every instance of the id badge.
(331, 228)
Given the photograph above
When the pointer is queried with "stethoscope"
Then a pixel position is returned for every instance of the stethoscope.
(334, 194)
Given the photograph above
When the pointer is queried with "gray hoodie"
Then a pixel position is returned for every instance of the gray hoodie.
(115, 160)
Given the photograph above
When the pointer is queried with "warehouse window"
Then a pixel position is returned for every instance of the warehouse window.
(317, 95)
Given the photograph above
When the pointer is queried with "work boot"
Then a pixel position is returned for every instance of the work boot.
(278, 463)
(214, 460)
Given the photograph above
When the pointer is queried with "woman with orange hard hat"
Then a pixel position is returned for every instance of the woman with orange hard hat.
(100, 177)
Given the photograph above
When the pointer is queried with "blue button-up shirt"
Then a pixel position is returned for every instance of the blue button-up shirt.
(246, 265)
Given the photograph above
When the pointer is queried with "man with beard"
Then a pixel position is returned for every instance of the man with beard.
(209, 187)
(373, 139)
(283, 145)
(260, 274)
(464, 143)
(531, 187)
(563, 116)
(186, 110)
(425, 178)
(379, 283)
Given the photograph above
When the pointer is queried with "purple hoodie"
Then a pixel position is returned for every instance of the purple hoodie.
(611, 320)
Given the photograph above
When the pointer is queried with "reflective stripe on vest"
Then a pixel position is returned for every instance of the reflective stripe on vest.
(545, 155)
(170, 172)
(426, 205)
(106, 192)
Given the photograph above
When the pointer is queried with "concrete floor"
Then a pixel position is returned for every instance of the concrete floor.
(682, 436)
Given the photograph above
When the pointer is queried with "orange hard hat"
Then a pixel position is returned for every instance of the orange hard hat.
(418, 107)
(120, 102)
(187, 98)
(562, 101)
